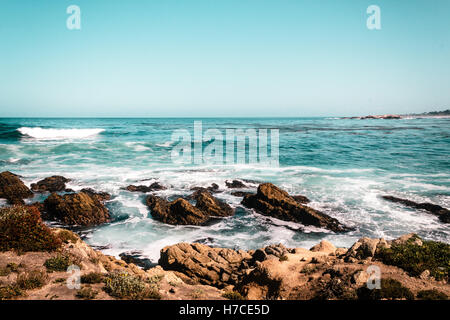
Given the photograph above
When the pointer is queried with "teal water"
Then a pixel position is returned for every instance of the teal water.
(342, 165)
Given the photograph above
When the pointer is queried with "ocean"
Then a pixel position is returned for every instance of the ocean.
(342, 165)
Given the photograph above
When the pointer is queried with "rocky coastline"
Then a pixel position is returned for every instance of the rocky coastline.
(34, 257)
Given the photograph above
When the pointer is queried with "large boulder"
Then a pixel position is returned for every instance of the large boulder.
(50, 184)
(277, 203)
(202, 264)
(211, 205)
(100, 195)
(75, 209)
(177, 212)
(442, 213)
(13, 189)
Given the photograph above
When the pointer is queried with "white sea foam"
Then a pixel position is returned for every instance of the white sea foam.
(58, 134)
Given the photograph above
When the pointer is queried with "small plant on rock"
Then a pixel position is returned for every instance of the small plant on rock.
(32, 280)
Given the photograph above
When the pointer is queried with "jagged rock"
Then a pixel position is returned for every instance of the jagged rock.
(360, 277)
(135, 258)
(101, 196)
(301, 199)
(364, 248)
(211, 205)
(75, 209)
(179, 211)
(274, 202)
(442, 213)
(324, 246)
(235, 184)
(13, 189)
(213, 188)
(50, 184)
(410, 237)
(155, 186)
(212, 266)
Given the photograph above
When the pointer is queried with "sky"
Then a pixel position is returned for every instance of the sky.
(223, 58)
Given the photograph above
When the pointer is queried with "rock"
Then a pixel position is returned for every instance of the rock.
(212, 266)
(425, 275)
(101, 196)
(213, 188)
(177, 212)
(410, 237)
(135, 258)
(301, 199)
(50, 184)
(442, 213)
(13, 189)
(360, 277)
(274, 202)
(363, 248)
(235, 184)
(324, 246)
(75, 209)
(241, 193)
(385, 116)
(155, 186)
(211, 205)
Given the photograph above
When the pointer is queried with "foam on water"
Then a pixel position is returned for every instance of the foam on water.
(56, 134)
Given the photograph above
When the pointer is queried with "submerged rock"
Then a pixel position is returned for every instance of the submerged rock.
(212, 188)
(301, 199)
(13, 189)
(177, 212)
(211, 205)
(155, 186)
(50, 184)
(240, 193)
(76, 209)
(235, 184)
(274, 202)
(442, 213)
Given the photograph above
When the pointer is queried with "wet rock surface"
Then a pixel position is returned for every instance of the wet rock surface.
(235, 184)
(177, 212)
(13, 189)
(50, 184)
(156, 186)
(211, 205)
(75, 209)
(442, 213)
(274, 202)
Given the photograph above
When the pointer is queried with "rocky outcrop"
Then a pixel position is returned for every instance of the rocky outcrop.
(384, 116)
(181, 211)
(211, 205)
(274, 202)
(75, 209)
(199, 263)
(212, 188)
(442, 213)
(177, 212)
(241, 193)
(155, 186)
(50, 184)
(277, 272)
(13, 189)
(235, 184)
(101, 196)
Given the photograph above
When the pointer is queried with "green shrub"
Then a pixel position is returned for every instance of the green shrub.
(93, 277)
(390, 289)
(125, 286)
(4, 271)
(86, 293)
(59, 280)
(32, 280)
(414, 259)
(22, 229)
(431, 295)
(67, 236)
(233, 295)
(14, 267)
(10, 292)
(58, 263)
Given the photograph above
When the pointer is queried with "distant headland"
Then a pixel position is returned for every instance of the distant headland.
(444, 113)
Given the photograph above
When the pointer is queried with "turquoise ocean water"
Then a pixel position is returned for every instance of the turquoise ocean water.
(342, 165)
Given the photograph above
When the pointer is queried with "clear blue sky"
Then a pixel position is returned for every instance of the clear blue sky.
(223, 58)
